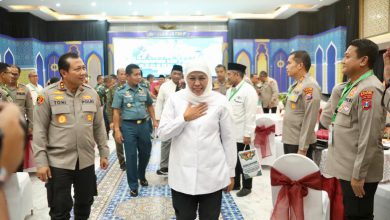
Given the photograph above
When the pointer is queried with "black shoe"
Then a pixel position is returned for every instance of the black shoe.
(123, 167)
(243, 192)
(144, 182)
(134, 192)
(162, 171)
(236, 188)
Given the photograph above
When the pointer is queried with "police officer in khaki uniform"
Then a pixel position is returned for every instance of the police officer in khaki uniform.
(5, 80)
(331, 104)
(121, 80)
(22, 96)
(268, 92)
(68, 121)
(302, 107)
(221, 84)
(355, 154)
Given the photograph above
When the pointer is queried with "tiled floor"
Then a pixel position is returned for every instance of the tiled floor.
(255, 206)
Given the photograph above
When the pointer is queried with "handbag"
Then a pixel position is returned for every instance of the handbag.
(250, 163)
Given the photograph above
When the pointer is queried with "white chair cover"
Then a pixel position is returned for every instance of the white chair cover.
(316, 203)
(268, 161)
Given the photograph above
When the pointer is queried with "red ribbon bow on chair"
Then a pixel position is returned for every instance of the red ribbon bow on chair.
(289, 204)
(262, 139)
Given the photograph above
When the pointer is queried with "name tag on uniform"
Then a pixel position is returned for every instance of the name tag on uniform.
(330, 138)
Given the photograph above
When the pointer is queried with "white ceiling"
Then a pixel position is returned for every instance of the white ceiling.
(164, 10)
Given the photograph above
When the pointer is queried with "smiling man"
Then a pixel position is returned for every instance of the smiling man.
(68, 121)
(355, 154)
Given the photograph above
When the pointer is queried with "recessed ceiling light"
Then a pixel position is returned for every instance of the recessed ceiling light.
(104, 13)
(130, 3)
(229, 12)
(166, 13)
(135, 13)
(93, 4)
(58, 5)
(198, 12)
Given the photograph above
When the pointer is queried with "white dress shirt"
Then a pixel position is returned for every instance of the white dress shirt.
(165, 91)
(203, 153)
(35, 91)
(244, 104)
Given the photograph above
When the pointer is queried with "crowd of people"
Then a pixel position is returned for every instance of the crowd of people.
(202, 124)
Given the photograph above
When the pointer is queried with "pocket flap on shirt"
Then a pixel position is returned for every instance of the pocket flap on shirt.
(60, 109)
(88, 108)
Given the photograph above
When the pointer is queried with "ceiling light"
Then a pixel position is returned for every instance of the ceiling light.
(229, 13)
(135, 13)
(104, 13)
(58, 5)
(198, 12)
(93, 4)
(130, 3)
(166, 13)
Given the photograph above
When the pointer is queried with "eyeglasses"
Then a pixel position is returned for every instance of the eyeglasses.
(34, 76)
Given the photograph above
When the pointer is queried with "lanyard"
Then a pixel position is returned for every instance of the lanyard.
(235, 92)
(347, 90)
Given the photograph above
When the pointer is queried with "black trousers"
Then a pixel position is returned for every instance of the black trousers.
(186, 205)
(358, 208)
(246, 183)
(59, 192)
(266, 110)
(293, 149)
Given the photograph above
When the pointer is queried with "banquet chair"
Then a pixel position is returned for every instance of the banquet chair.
(294, 166)
(266, 122)
(18, 191)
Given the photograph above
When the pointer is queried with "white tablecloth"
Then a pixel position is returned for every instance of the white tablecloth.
(276, 118)
(386, 165)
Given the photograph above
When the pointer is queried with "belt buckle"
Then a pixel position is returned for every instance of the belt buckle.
(139, 122)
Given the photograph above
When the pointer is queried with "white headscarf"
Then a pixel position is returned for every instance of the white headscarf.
(199, 65)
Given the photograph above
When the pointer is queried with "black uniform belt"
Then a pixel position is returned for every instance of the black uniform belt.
(139, 121)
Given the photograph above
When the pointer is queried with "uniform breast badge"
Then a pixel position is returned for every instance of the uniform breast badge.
(128, 105)
(62, 119)
(293, 106)
(89, 117)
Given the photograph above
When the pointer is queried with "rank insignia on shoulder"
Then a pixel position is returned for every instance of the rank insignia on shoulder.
(40, 99)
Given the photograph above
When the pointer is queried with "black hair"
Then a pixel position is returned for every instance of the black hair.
(3, 67)
(98, 77)
(53, 80)
(63, 63)
(130, 68)
(301, 56)
(161, 76)
(365, 47)
(263, 73)
(149, 76)
(14, 66)
(220, 66)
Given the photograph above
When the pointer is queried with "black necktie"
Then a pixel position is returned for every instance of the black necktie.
(177, 88)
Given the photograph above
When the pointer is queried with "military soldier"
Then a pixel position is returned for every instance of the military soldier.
(121, 75)
(68, 121)
(268, 92)
(5, 79)
(131, 105)
(22, 96)
(243, 98)
(355, 154)
(221, 84)
(302, 107)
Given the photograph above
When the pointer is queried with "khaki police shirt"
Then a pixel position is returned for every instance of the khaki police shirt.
(269, 93)
(4, 96)
(66, 127)
(221, 87)
(357, 150)
(331, 104)
(24, 100)
(301, 112)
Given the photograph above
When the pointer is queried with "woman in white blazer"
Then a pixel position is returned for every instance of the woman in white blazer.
(203, 151)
